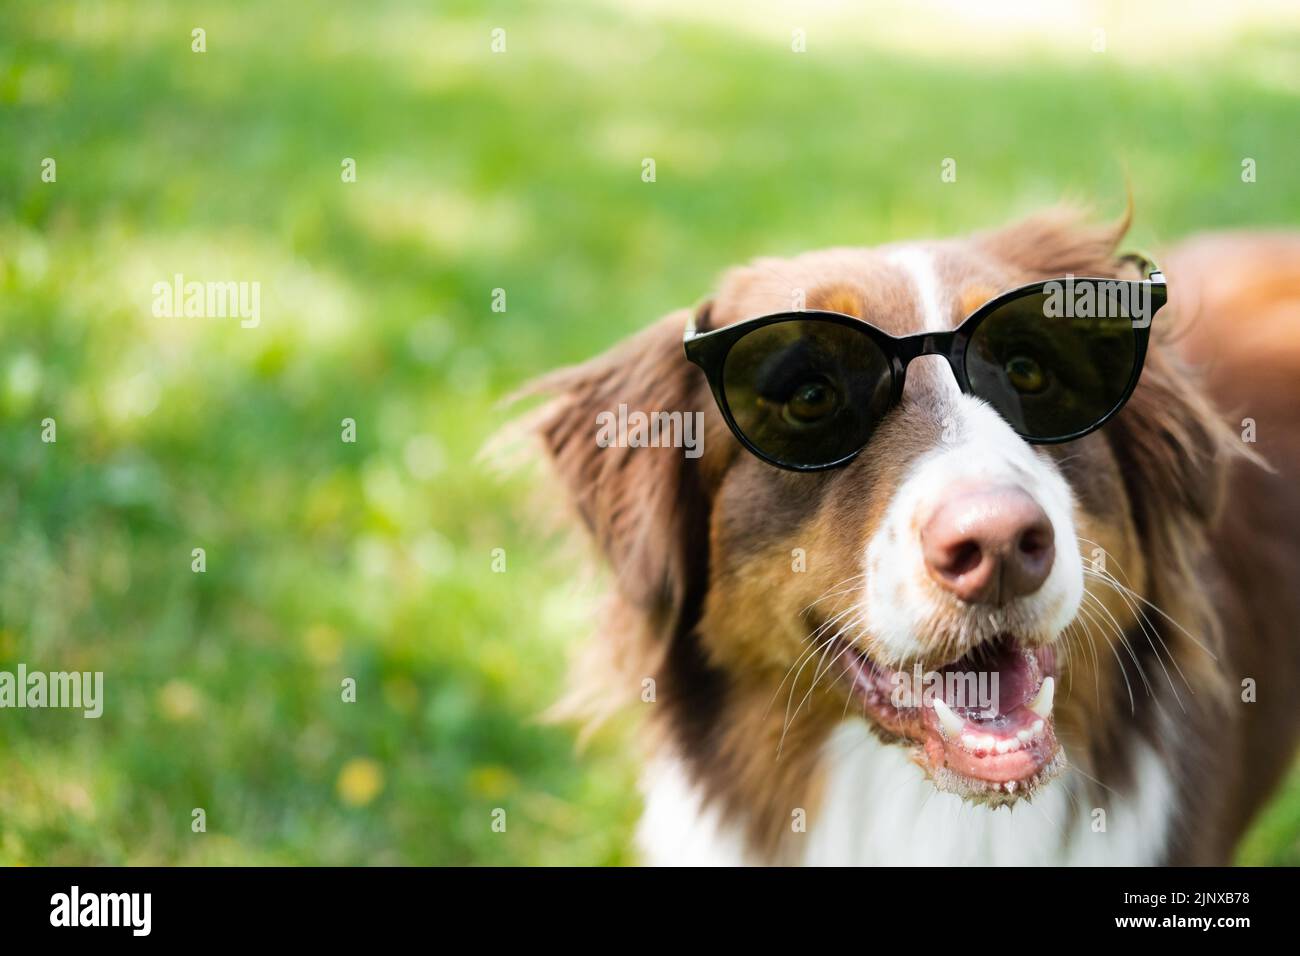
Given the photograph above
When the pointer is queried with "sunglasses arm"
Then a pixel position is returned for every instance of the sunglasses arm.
(1146, 266)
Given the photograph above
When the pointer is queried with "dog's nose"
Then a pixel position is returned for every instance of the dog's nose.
(989, 546)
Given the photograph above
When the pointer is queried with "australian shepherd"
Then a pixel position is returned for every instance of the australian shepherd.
(947, 578)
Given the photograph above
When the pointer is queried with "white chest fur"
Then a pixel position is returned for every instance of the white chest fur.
(878, 809)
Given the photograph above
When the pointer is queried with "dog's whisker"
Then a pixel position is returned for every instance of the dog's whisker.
(812, 648)
(835, 589)
(1077, 629)
(1110, 626)
(1138, 597)
(785, 727)
(801, 662)
(1123, 639)
(1151, 633)
(817, 675)
(1083, 610)
(852, 606)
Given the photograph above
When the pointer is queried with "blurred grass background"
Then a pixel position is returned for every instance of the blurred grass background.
(475, 171)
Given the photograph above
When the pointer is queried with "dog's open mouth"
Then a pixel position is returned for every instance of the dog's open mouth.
(981, 726)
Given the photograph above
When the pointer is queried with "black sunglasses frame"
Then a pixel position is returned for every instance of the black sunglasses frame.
(709, 351)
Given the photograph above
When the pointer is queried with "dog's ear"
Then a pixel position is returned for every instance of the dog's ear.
(644, 507)
(1173, 449)
(1173, 443)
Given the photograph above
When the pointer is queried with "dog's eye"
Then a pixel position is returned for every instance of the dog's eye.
(1026, 375)
(811, 402)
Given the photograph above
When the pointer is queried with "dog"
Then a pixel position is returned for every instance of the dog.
(1133, 591)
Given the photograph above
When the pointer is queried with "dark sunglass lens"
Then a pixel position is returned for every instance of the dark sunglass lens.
(806, 392)
(1056, 363)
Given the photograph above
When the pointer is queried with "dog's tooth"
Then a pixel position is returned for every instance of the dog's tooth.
(949, 722)
(1011, 786)
(1024, 736)
(1037, 728)
(969, 742)
(1042, 702)
(1008, 745)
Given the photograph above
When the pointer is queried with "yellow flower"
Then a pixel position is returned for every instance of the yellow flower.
(179, 701)
(491, 782)
(324, 645)
(360, 781)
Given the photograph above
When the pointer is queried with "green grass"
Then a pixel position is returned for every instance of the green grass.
(328, 560)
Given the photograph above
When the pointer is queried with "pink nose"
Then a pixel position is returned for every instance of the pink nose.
(989, 546)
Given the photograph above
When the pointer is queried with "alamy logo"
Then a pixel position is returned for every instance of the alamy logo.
(637, 429)
(966, 690)
(208, 300)
(103, 909)
(58, 689)
(1098, 299)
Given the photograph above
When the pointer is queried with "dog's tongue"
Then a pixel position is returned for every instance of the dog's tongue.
(993, 722)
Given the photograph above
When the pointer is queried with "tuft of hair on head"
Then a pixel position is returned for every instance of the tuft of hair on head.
(1060, 240)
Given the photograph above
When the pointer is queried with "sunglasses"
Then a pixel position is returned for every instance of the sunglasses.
(1056, 359)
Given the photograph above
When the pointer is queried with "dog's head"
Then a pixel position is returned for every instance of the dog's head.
(949, 561)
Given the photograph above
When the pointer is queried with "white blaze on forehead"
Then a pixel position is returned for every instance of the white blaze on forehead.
(918, 263)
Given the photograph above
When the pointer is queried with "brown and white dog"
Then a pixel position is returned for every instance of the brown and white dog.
(764, 608)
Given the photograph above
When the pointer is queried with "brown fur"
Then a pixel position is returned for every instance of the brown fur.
(1241, 304)
(701, 550)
